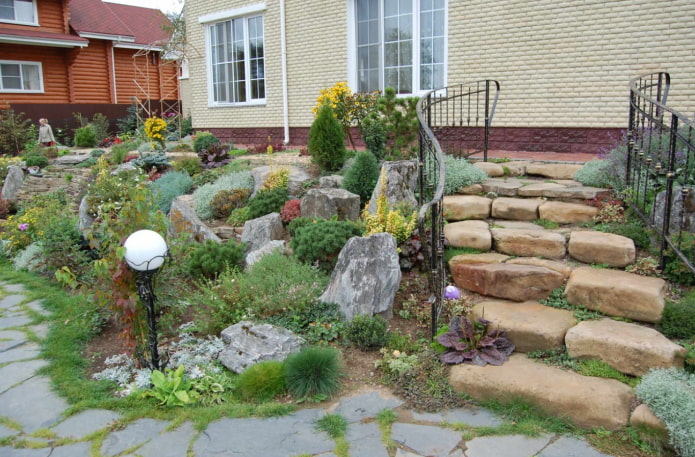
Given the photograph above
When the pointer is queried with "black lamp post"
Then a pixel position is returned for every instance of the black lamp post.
(145, 253)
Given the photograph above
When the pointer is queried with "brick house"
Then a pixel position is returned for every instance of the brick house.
(563, 67)
(58, 57)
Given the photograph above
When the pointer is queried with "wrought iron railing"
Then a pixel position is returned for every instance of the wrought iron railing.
(660, 174)
(455, 120)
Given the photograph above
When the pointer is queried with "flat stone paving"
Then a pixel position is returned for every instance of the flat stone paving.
(28, 404)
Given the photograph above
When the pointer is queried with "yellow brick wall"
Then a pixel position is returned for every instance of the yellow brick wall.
(559, 63)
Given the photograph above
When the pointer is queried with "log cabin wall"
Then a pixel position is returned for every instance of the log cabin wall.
(55, 78)
(90, 76)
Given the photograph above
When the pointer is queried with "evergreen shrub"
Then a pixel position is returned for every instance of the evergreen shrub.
(290, 210)
(85, 137)
(374, 136)
(362, 176)
(322, 241)
(190, 165)
(326, 141)
(210, 259)
(226, 201)
(267, 201)
(678, 319)
(203, 141)
(367, 332)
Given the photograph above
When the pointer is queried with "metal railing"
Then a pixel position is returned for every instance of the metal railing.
(660, 174)
(455, 120)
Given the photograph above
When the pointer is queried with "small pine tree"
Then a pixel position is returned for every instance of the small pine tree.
(326, 141)
(362, 176)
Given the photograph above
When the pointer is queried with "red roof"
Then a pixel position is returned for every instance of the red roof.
(95, 16)
(8, 35)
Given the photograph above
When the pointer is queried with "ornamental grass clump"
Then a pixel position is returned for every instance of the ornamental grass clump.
(313, 373)
(261, 382)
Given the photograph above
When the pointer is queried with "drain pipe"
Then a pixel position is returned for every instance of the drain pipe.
(283, 52)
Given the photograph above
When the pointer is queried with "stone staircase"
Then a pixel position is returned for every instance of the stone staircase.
(522, 262)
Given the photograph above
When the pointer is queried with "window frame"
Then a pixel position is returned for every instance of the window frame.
(34, 22)
(416, 63)
(245, 14)
(21, 63)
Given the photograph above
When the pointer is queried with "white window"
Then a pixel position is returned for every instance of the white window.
(237, 62)
(400, 44)
(20, 76)
(21, 11)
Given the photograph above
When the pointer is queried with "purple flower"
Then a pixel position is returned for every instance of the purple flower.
(452, 293)
(23, 227)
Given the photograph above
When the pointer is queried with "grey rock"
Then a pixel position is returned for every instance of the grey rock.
(41, 330)
(331, 182)
(12, 452)
(32, 404)
(360, 407)
(72, 159)
(13, 182)
(566, 446)
(85, 423)
(508, 446)
(426, 439)
(11, 339)
(297, 177)
(325, 203)
(271, 437)
(73, 450)
(366, 276)
(137, 433)
(17, 372)
(401, 178)
(18, 320)
(365, 440)
(258, 232)
(38, 308)
(5, 432)
(184, 220)
(170, 444)
(682, 208)
(470, 416)
(11, 300)
(84, 219)
(268, 248)
(13, 288)
(249, 343)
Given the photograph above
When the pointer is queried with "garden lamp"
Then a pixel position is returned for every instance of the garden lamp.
(145, 252)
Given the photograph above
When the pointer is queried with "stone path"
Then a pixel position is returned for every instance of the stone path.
(30, 412)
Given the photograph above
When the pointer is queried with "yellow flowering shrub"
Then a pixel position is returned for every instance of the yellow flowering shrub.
(388, 220)
(155, 128)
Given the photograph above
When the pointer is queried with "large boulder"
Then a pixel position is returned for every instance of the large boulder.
(325, 203)
(13, 182)
(184, 220)
(268, 248)
(587, 401)
(567, 213)
(260, 231)
(602, 248)
(519, 209)
(366, 276)
(682, 209)
(468, 234)
(629, 348)
(401, 179)
(464, 207)
(529, 243)
(553, 170)
(249, 343)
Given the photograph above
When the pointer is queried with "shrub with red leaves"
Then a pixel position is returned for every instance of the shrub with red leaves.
(290, 211)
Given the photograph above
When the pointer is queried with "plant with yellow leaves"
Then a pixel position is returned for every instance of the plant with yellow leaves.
(155, 128)
(386, 219)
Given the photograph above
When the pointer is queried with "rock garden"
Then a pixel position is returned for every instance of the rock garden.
(294, 277)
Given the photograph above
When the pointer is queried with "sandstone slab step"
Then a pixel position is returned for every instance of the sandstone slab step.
(518, 209)
(602, 248)
(629, 348)
(560, 267)
(538, 189)
(502, 280)
(530, 325)
(567, 213)
(518, 225)
(487, 257)
(504, 187)
(553, 170)
(586, 401)
(617, 293)
(529, 243)
(463, 207)
(493, 170)
(469, 234)
(576, 193)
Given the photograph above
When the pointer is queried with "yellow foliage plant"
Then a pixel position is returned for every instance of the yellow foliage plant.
(155, 128)
(386, 219)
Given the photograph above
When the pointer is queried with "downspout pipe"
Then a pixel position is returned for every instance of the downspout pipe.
(283, 52)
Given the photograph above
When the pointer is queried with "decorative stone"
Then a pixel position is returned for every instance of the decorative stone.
(519, 209)
(503, 280)
(529, 325)
(560, 267)
(567, 213)
(602, 248)
(617, 293)
(473, 189)
(682, 208)
(296, 178)
(493, 170)
(326, 203)
(538, 189)
(643, 416)
(401, 180)
(553, 170)
(366, 276)
(225, 232)
(268, 248)
(260, 231)
(507, 187)
(464, 207)
(249, 343)
(587, 401)
(84, 219)
(331, 182)
(529, 243)
(576, 193)
(468, 234)
(13, 182)
(184, 220)
(629, 348)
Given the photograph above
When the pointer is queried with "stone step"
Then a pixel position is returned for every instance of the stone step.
(529, 325)
(586, 401)
(617, 293)
(533, 188)
(602, 248)
(529, 243)
(629, 348)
